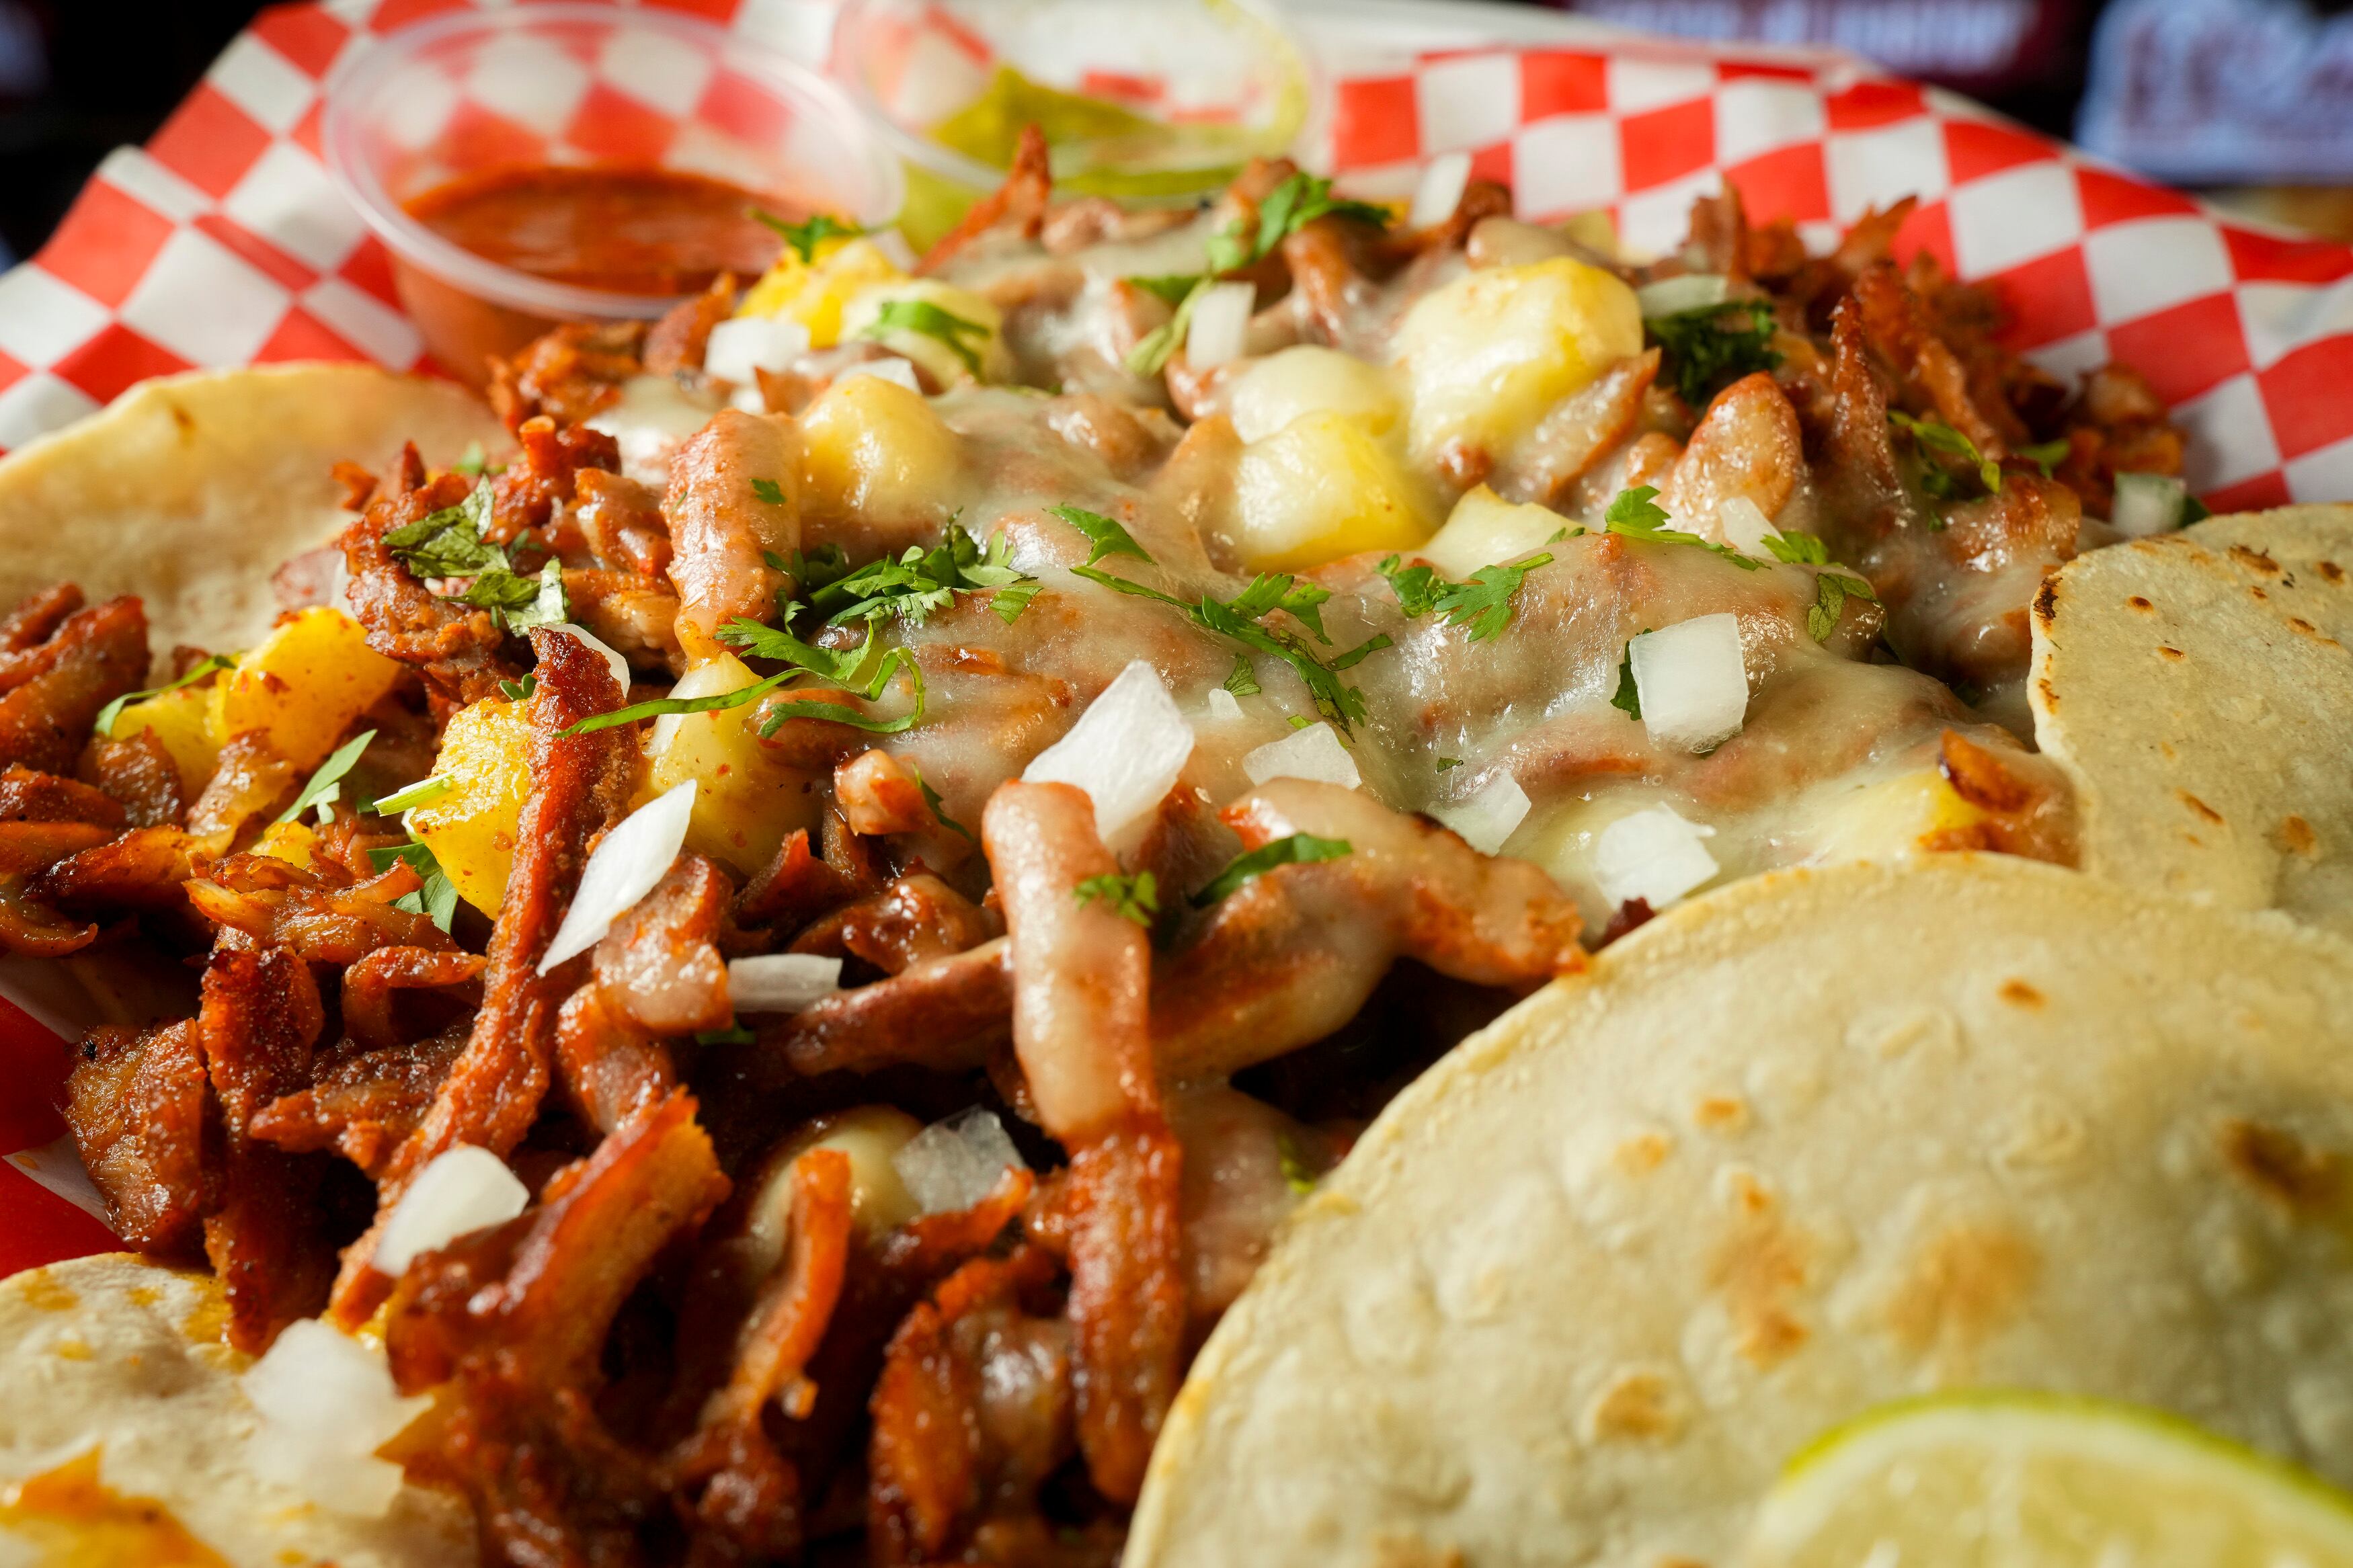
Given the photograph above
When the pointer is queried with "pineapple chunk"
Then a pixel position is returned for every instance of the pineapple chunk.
(1486, 355)
(814, 293)
(1322, 487)
(748, 802)
(486, 758)
(1484, 529)
(974, 356)
(302, 685)
(183, 722)
(288, 841)
(872, 449)
(1281, 388)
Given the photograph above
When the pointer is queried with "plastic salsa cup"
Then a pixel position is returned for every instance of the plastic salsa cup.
(494, 94)
(1148, 102)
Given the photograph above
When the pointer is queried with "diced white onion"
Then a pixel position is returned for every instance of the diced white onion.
(464, 1189)
(327, 1403)
(1744, 526)
(598, 646)
(1489, 817)
(1220, 326)
(952, 1165)
(893, 369)
(781, 981)
(1671, 296)
(653, 414)
(894, 248)
(1125, 750)
(1224, 706)
(1444, 181)
(1692, 684)
(1315, 752)
(2148, 504)
(625, 868)
(1654, 856)
(743, 347)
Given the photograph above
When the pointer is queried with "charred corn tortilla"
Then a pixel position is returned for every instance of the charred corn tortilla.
(118, 1356)
(1822, 1139)
(2198, 689)
(190, 491)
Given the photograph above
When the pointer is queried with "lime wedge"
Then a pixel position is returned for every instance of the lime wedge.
(2029, 1480)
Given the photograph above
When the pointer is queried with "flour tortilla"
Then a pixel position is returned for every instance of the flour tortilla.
(190, 491)
(2197, 690)
(122, 1354)
(1826, 1138)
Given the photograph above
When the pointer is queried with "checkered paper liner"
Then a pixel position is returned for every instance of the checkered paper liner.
(222, 242)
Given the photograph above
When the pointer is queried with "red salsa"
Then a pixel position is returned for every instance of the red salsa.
(624, 230)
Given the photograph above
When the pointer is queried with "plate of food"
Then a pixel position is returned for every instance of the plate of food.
(1327, 870)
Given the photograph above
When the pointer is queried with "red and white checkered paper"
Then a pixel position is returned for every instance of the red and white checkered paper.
(222, 242)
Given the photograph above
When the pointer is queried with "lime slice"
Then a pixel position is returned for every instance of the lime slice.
(2028, 1480)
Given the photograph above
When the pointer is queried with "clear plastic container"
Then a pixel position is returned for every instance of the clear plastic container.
(1155, 103)
(473, 92)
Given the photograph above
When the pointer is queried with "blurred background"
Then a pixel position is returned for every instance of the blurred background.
(2249, 101)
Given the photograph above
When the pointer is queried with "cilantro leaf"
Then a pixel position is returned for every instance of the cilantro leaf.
(1135, 898)
(1151, 352)
(768, 492)
(804, 237)
(939, 811)
(2193, 510)
(1448, 765)
(1798, 548)
(1629, 700)
(1334, 697)
(1295, 1174)
(1706, 349)
(928, 319)
(1363, 650)
(1169, 288)
(1243, 681)
(1933, 435)
(437, 899)
(1417, 586)
(2048, 454)
(104, 723)
(473, 461)
(518, 690)
(1007, 602)
(732, 1035)
(1829, 603)
(1484, 603)
(1107, 537)
(1833, 587)
(918, 583)
(1297, 849)
(449, 542)
(326, 784)
(1270, 591)
(839, 670)
(1637, 515)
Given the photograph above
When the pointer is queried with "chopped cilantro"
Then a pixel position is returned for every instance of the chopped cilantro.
(839, 670)
(917, 583)
(518, 690)
(473, 461)
(104, 724)
(2048, 454)
(804, 237)
(1135, 898)
(437, 899)
(1637, 515)
(1933, 435)
(1706, 349)
(1297, 849)
(1299, 721)
(922, 316)
(2193, 510)
(768, 492)
(424, 792)
(450, 544)
(1107, 537)
(1334, 697)
(326, 784)
(1629, 698)
(1484, 603)
(1290, 206)
(1243, 681)
(1448, 765)
(1829, 603)
(1833, 587)
(732, 1035)
(939, 811)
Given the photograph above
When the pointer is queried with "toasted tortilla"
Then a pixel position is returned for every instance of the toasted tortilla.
(1825, 1138)
(121, 1357)
(190, 491)
(2197, 689)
